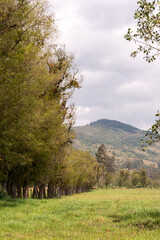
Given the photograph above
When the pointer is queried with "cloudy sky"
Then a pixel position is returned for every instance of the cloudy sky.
(115, 86)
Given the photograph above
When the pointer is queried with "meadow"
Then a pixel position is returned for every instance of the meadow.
(115, 214)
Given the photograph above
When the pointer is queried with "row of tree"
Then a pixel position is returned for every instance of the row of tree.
(37, 78)
(77, 174)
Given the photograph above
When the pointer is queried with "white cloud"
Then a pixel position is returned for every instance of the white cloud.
(82, 113)
(83, 110)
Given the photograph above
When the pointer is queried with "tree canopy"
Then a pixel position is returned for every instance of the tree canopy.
(147, 34)
(37, 81)
(105, 166)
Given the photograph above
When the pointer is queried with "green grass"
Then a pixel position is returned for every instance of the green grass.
(97, 215)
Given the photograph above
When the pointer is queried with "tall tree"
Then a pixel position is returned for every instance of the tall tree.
(105, 166)
(37, 81)
(24, 27)
(79, 172)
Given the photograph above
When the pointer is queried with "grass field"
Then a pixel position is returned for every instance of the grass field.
(97, 215)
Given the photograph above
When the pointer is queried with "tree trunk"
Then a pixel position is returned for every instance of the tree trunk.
(4, 186)
(35, 192)
(9, 187)
(44, 192)
(98, 177)
(66, 191)
(31, 192)
(41, 191)
(14, 190)
(19, 188)
(59, 192)
(25, 191)
(50, 191)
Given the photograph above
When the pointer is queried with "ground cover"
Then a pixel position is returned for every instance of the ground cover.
(115, 214)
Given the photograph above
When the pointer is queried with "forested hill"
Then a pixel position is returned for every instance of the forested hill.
(106, 123)
(120, 139)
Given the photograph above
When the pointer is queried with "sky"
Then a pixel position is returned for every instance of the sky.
(115, 86)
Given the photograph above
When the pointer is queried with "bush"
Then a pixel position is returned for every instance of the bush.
(3, 193)
(139, 185)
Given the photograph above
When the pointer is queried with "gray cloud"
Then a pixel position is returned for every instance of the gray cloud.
(115, 85)
(106, 14)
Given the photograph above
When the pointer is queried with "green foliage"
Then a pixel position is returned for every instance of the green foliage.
(131, 179)
(147, 34)
(105, 166)
(37, 80)
(123, 177)
(143, 177)
(152, 135)
(79, 172)
(148, 37)
(3, 193)
(104, 159)
(139, 185)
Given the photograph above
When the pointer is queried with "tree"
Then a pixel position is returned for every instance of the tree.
(134, 178)
(153, 134)
(147, 35)
(37, 80)
(79, 172)
(143, 177)
(105, 166)
(24, 28)
(123, 177)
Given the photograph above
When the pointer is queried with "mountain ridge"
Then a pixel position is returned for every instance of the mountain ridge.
(114, 124)
(119, 138)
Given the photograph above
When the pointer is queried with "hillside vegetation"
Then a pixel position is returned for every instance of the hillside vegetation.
(121, 140)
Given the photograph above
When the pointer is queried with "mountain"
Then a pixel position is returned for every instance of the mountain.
(121, 140)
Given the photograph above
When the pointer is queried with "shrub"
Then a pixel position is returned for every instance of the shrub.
(3, 193)
(139, 185)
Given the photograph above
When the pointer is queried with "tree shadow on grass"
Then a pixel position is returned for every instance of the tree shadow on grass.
(143, 220)
(11, 202)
